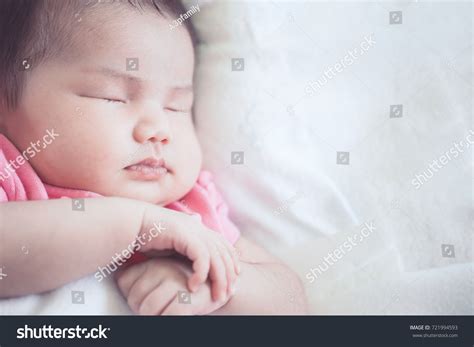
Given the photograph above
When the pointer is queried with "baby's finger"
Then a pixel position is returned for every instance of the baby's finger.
(139, 291)
(229, 268)
(233, 253)
(235, 258)
(196, 251)
(201, 268)
(217, 276)
(127, 277)
(157, 300)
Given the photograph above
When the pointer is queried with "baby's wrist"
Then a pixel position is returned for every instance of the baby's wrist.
(156, 219)
(120, 218)
(149, 215)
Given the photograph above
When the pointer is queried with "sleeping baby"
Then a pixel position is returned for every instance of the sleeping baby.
(99, 160)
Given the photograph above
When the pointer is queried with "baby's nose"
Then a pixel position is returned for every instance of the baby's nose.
(154, 132)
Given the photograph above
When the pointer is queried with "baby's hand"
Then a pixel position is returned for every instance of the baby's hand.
(151, 288)
(212, 256)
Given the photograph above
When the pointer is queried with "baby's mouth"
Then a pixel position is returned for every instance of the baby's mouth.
(149, 169)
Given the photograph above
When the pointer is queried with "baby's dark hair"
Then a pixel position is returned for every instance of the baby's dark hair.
(31, 31)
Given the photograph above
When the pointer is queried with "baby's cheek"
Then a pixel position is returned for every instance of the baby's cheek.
(73, 162)
(191, 162)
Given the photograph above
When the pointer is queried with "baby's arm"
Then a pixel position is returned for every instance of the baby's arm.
(64, 245)
(265, 286)
(45, 244)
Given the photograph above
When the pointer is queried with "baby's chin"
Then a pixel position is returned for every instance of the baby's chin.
(153, 195)
(160, 192)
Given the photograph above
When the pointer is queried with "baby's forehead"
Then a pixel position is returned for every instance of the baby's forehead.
(75, 23)
(133, 49)
(124, 30)
(105, 26)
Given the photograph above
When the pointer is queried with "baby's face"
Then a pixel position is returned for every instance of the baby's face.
(110, 116)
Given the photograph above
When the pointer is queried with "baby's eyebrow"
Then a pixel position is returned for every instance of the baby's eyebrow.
(106, 71)
(114, 74)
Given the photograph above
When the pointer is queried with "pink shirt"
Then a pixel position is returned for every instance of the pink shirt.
(19, 182)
